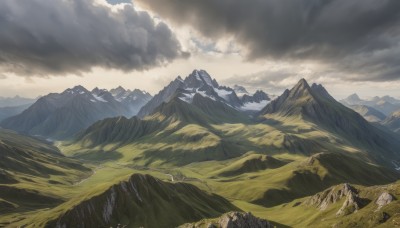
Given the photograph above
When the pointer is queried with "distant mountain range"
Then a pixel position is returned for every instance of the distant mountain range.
(386, 104)
(369, 113)
(59, 116)
(6, 112)
(15, 101)
(200, 82)
(11, 106)
(393, 122)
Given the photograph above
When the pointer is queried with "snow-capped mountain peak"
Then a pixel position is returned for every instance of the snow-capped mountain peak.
(76, 90)
(198, 82)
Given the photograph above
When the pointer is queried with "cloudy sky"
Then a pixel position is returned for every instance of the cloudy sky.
(348, 46)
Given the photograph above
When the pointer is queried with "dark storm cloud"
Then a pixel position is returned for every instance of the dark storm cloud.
(348, 34)
(56, 37)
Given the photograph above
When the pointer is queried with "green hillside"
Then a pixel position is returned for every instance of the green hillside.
(33, 172)
(139, 201)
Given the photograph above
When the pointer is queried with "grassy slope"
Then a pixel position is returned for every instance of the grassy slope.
(33, 174)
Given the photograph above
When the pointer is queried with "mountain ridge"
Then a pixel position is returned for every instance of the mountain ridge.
(62, 115)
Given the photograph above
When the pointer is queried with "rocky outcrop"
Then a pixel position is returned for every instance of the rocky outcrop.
(233, 220)
(245, 220)
(384, 199)
(352, 204)
(330, 196)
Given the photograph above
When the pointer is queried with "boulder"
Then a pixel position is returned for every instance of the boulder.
(384, 199)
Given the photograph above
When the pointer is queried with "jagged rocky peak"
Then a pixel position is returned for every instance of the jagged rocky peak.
(300, 89)
(117, 91)
(97, 91)
(257, 97)
(330, 196)
(199, 82)
(199, 78)
(138, 91)
(352, 204)
(355, 99)
(240, 90)
(232, 220)
(354, 96)
(333, 195)
(76, 90)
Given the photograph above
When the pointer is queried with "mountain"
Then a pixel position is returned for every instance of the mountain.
(393, 122)
(6, 112)
(200, 82)
(170, 123)
(135, 99)
(315, 105)
(240, 90)
(15, 101)
(369, 113)
(254, 102)
(353, 99)
(386, 99)
(140, 201)
(60, 116)
(385, 104)
(386, 108)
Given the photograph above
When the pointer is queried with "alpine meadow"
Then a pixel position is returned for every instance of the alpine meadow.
(199, 114)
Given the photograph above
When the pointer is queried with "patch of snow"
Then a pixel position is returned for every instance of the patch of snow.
(203, 93)
(99, 98)
(254, 106)
(241, 94)
(187, 97)
(223, 93)
(94, 101)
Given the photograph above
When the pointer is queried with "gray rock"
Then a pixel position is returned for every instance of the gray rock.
(242, 220)
(384, 199)
(350, 205)
(232, 220)
(330, 196)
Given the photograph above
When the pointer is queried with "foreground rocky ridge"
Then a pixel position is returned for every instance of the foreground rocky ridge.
(142, 201)
(356, 206)
(232, 220)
